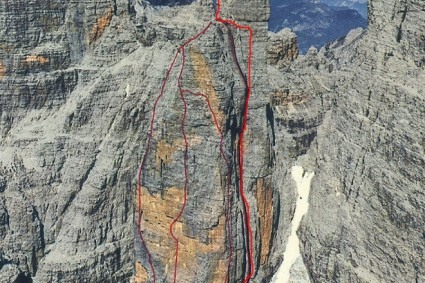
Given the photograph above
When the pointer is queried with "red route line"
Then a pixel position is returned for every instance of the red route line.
(241, 135)
(142, 165)
(229, 173)
(182, 91)
(186, 177)
(240, 149)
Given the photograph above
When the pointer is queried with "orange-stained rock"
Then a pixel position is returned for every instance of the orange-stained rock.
(219, 272)
(2, 70)
(165, 151)
(264, 195)
(101, 24)
(141, 274)
(158, 211)
(204, 80)
(36, 58)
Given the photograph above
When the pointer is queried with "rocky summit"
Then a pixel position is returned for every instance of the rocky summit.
(116, 167)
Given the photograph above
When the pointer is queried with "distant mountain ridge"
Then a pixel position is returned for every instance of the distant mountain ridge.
(315, 23)
(358, 5)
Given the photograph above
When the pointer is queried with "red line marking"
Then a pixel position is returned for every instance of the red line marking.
(240, 150)
(186, 177)
(142, 165)
(241, 136)
(229, 174)
(180, 50)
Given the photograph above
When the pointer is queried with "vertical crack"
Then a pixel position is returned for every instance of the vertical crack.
(403, 17)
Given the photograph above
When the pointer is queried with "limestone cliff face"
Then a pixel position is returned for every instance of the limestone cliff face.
(77, 97)
(78, 81)
(66, 195)
(363, 101)
(371, 231)
(206, 240)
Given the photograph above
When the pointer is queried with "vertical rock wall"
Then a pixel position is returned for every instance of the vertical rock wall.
(366, 213)
(78, 80)
(66, 194)
(211, 70)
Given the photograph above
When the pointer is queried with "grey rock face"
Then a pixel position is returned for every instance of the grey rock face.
(204, 236)
(69, 162)
(366, 201)
(282, 49)
(76, 98)
(62, 218)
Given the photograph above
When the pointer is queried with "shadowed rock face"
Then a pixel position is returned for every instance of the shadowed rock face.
(76, 98)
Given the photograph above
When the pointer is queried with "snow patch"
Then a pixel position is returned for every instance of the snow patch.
(292, 251)
(127, 91)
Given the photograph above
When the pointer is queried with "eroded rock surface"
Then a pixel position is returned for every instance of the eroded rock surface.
(76, 95)
(363, 101)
